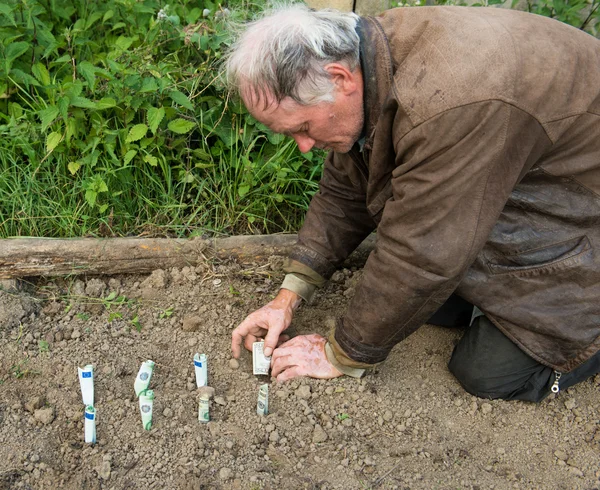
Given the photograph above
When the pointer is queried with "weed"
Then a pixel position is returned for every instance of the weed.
(19, 370)
(83, 316)
(114, 120)
(43, 346)
(166, 313)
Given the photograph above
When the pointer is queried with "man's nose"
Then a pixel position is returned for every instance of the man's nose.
(305, 143)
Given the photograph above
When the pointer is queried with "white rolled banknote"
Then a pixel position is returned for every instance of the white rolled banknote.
(262, 406)
(204, 409)
(89, 425)
(146, 403)
(260, 363)
(86, 382)
(142, 381)
(201, 368)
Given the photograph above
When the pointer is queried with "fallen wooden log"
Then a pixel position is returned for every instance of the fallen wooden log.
(26, 257)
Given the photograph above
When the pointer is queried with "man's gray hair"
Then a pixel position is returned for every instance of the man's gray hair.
(284, 54)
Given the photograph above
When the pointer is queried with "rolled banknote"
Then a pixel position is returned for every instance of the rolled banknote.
(262, 406)
(204, 409)
(89, 425)
(142, 381)
(201, 368)
(86, 382)
(146, 402)
(260, 363)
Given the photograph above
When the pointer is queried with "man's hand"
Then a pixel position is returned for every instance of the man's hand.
(303, 356)
(270, 320)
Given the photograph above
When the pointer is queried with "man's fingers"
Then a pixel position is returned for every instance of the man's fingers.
(280, 363)
(236, 342)
(283, 338)
(271, 339)
(290, 373)
(248, 341)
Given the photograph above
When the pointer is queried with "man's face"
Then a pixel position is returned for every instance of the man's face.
(333, 125)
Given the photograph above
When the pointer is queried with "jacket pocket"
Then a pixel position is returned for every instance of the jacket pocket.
(549, 259)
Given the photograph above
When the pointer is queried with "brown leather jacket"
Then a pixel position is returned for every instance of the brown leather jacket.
(481, 173)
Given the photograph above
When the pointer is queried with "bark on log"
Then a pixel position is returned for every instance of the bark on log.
(25, 257)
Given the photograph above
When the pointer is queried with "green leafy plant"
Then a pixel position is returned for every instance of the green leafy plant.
(167, 312)
(114, 121)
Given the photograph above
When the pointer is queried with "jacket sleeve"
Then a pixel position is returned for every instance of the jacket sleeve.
(454, 174)
(336, 223)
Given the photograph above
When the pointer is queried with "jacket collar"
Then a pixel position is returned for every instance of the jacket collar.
(376, 66)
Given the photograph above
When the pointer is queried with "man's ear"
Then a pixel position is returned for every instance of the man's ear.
(346, 81)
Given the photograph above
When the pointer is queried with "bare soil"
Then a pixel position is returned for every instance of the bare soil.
(409, 425)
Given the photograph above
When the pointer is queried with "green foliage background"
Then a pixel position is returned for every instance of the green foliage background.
(114, 121)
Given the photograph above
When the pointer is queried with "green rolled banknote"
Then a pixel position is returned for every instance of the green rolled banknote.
(142, 380)
(146, 403)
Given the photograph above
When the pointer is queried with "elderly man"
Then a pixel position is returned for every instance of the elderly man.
(469, 139)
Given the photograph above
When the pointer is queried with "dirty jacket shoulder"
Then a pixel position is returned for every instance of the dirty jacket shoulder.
(481, 173)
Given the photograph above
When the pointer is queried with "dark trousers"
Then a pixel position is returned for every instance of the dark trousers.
(489, 365)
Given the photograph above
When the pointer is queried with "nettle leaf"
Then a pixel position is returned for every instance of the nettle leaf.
(149, 85)
(40, 72)
(14, 50)
(63, 107)
(123, 42)
(151, 160)
(154, 118)
(129, 156)
(7, 11)
(52, 141)
(74, 167)
(83, 103)
(48, 115)
(136, 133)
(181, 99)
(88, 72)
(106, 103)
(181, 126)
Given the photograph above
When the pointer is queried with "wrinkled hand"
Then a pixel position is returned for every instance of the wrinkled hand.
(303, 356)
(268, 322)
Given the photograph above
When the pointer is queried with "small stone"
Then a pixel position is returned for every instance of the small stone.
(388, 415)
(575, 471)
(319, 435)
(191, 324)
(486, 408)
(207, 391)
(75, 335)
(215, 429)
(34, 403)
(219, 400)
(44, 415)
(234, 363)
(274, 436)
(501, 450)
(167, 412)
(225, 474)
(561, 455)
(104, 470)
(570, 404)
(192, 342)
(303, 392)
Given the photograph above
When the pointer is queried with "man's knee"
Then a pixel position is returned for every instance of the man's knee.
(531, 386)
(489, 365)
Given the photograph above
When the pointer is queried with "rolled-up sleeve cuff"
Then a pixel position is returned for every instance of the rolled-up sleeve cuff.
(299, 286)
(347, 370)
